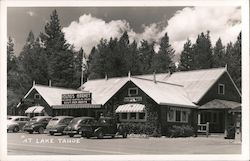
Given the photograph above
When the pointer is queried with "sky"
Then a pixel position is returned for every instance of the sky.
(85, 26)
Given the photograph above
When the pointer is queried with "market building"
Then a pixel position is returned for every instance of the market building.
(182, 98)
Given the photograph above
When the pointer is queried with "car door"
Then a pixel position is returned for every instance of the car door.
(22, 122)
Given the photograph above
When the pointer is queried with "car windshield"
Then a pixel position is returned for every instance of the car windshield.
(33, 119)
(74, 121)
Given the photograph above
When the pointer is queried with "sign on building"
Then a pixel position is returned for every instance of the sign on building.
(79, 98)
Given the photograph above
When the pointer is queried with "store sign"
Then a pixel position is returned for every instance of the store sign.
(132, 99)
(79, 98)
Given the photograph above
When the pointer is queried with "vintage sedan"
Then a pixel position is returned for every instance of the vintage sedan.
(105, 126)
(75, 126)
(57, 124)
(37, 124)
(16, 123)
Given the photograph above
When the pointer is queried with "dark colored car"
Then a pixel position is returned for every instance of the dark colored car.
(75, 126)
(105, 126)
(57, 124)
(37, 124)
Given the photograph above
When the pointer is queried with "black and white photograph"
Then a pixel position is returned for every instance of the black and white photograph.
(126, 80)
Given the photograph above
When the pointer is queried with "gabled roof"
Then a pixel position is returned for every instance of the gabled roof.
(197, 83)
(52, 95)
(103, 89)
(161, 92)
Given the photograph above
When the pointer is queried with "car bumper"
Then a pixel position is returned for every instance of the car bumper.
(71, 132)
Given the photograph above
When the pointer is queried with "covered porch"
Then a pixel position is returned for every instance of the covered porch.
(219, 115)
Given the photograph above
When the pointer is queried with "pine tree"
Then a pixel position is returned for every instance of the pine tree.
(162, 61)
(219, 54)
(146, 53)
(203, 52)
(61, 58)
(187, 57)
(11, 58)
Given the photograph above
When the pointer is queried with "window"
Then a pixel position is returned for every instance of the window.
(141, 116)
(132, 91)
(37, 96)
(221, 89)
(124, 116)
(178, 115)
(132, 116)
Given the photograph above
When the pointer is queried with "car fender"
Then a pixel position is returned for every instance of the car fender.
(97, 130)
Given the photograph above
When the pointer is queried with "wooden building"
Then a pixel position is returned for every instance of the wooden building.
(182, 98)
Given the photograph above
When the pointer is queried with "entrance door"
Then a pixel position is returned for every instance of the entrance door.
(216, 120)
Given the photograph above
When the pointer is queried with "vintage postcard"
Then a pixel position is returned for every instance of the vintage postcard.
(124, 80)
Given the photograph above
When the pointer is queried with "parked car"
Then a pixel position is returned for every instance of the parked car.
(105, 126)
(37, 124)
(75, 126)
(16, 123)
(57, 124)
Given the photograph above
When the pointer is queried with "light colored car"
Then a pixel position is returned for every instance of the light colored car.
(16, 123)
(57, 124)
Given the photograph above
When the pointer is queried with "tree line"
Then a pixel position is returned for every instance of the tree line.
(49, 57)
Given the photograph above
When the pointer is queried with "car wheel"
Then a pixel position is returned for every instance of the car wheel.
(71, 135)
(100, 135)
(41, 130)
(30, 132)
(124, 135)
(16, 129)
(51, 133)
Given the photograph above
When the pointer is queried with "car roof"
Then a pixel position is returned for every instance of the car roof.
(17, 117)
(62, 117)
(83, 118)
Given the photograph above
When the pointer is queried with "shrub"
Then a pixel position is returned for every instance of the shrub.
(180, 131)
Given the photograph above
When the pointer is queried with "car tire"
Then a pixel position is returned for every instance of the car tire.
(30, 132)
(16, 129)
(124, 135)
(41, 130)
(100, 135)
(51, 133)
(71, 135)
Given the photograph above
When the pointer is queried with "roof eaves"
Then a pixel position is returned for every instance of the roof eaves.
(172, 104)
(234, 83)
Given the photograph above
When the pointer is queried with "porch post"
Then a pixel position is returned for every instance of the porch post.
(225, 122)
(199, 118)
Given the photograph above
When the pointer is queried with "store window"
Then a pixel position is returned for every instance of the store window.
(221, 89)
(178, 115)
(133, 117)
(132, 91)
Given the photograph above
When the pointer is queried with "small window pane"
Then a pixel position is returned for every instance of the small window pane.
(171, 115)
(132, 116)
(124, 116)
(132, 91)
(178, 116)
(141, 116)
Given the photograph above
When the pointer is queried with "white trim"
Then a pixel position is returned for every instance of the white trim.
(233, 83)
(134, 88)
(223, 88)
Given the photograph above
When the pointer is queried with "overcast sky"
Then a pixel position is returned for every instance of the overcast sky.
(84, 27)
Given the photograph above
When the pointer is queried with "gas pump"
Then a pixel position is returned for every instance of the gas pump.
(238, 127)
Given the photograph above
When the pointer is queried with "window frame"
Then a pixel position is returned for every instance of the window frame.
(37, 96)
(128, 119)
(223, 88)
(130, 89)
(174, 109)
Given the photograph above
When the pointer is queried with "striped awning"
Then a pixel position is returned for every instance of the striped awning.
(130, 108)
(76, 106)
(35, 109)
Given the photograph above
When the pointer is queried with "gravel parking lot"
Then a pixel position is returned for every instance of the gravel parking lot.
(44, 144)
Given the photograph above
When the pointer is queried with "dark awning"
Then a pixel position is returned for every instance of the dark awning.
(76, 106)
(220, 104)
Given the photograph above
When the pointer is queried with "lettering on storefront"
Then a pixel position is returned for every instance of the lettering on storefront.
(79, 98)
(132, 99)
